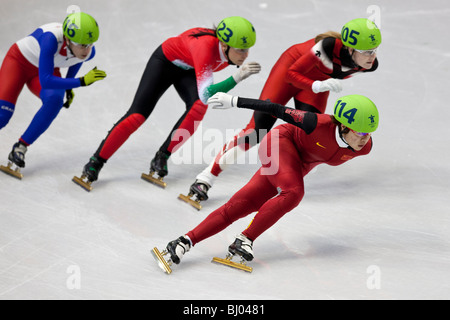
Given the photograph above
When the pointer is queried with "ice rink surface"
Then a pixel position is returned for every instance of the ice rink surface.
(374, 228)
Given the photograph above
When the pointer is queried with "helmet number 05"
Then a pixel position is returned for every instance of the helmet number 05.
(349, 114)
(226, 35)
(350, 34)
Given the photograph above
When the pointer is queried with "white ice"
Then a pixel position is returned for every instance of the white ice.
(374, 228)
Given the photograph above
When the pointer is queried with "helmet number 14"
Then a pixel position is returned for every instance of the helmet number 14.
(349, 114)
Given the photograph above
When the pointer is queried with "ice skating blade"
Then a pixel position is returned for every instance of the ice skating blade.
(8, 170)
(158, 181)
(232, 264)
(85, 185)
(162, 263)
(195, 203)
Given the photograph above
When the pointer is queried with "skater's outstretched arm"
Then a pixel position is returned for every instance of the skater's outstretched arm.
(302, 119)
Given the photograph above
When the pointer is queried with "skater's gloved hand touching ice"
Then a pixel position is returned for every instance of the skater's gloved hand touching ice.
(222, 100)
(327, 85)
(69, 98)
(92, 76)
(246, 71)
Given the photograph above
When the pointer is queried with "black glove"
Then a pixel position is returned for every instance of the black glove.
(69, 98)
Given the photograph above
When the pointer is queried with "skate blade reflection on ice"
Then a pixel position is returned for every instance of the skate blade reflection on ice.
(12, 172)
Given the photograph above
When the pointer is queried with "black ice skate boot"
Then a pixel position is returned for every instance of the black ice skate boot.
(92, 169)
(159, 164)
(243, 247)
(17, 155)
(200, 190)
(90, 173)
(177, 248)
(197, 192)
(16, 161)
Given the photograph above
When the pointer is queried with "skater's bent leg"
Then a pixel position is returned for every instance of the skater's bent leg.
(288, 178)
(250, 136)
(230, 152)
(120, 133)
(12, 80)
(185, 127)
(52, 104)
(156, 79)
(275, 208)
(247, 200)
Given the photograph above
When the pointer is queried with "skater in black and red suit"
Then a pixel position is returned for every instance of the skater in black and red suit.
(187, 62)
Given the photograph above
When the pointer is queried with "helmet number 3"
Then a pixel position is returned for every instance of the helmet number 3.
(227, 32)
(349, 114)
(346, 34)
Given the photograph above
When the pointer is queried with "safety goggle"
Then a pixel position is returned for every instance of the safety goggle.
(241, 51)
(370, 52)
(361, 134)
(84, 46)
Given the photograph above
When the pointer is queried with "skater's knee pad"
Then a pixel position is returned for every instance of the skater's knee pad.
(291, 197)
(131, 123)
(198, 110)
(53, 95)
(6, 112)
(53, 99)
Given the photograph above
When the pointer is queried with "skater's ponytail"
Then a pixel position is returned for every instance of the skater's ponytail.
(205, 32)
(328, 34)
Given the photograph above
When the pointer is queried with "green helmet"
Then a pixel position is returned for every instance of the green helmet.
(236, 32)
(357, 112)
(361, 34)
(81, 28)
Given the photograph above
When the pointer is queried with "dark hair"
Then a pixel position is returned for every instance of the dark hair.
(205, 32)
(336, 122)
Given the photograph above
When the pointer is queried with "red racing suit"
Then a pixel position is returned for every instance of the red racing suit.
(292, 77)
(287, 154)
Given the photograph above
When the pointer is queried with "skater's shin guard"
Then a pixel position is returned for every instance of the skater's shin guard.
(119, 134)
(186, 126)
(6, 112)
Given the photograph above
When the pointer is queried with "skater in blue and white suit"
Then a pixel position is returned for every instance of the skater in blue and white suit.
(35, 61)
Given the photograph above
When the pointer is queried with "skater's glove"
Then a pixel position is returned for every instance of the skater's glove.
(92, 76)
(69, 98)
(222, 100)
(246, 71)
(327, 85)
